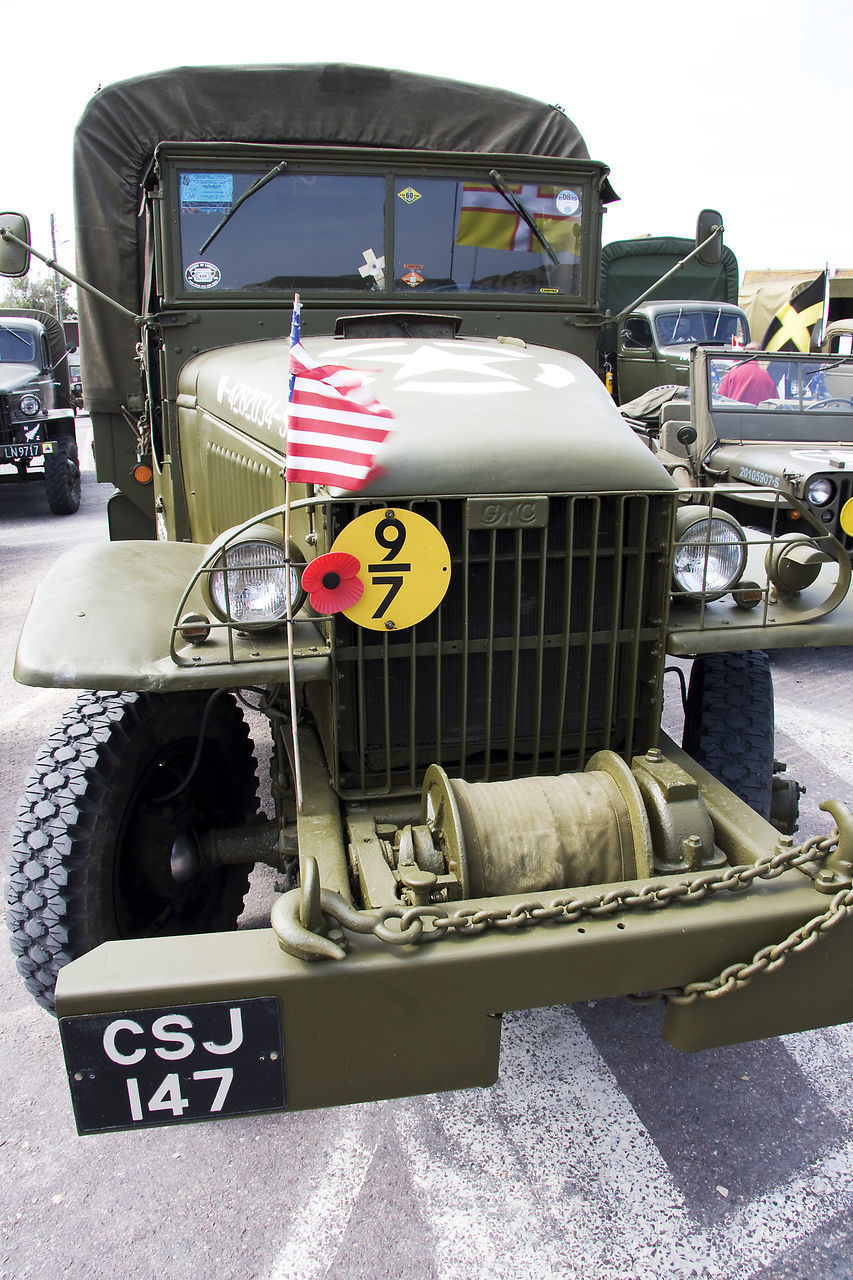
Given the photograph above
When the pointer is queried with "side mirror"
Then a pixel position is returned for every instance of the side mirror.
(708, 223)
(14, 258)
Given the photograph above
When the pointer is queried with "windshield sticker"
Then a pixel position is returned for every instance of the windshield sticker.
(568, 203)
(411, 276)
(409, 196)
(373, 266)
(203, 275)
(207, 192)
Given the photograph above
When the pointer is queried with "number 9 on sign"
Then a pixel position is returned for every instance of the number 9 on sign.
(405, 568)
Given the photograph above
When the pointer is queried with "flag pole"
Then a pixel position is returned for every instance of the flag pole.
(825, 317)
(291, 664)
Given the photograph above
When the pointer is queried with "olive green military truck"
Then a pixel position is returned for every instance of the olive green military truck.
(37, 407)
(660, 297)
(472, 807)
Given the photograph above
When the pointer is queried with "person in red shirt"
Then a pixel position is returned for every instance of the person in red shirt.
(748, 381)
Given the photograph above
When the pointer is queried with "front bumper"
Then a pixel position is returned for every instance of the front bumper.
(390, 1022)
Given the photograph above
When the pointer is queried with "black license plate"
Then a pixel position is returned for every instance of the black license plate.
(16, 452)
(189, 1062)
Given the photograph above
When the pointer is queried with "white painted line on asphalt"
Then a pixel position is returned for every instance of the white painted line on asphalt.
(319, 1226)
(821, 738)
(542, 1171)
(33, 705)
(557, 1179)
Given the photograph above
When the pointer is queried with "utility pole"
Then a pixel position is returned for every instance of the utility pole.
(56, 286)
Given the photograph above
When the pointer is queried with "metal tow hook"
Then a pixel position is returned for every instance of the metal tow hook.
(837, 870)
(298, 917)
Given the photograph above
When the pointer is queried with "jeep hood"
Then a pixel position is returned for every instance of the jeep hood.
(472, 415)
(14, 377)
(781, 466)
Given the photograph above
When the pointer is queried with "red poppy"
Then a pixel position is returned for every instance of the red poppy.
(332, 582)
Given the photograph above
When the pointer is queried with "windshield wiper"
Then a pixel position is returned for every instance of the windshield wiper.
(513, 200)
(256, 186)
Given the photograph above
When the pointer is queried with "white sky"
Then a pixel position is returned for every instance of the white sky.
(744, 107)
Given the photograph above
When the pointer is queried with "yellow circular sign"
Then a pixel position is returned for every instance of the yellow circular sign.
(405, 568)
(846, 517)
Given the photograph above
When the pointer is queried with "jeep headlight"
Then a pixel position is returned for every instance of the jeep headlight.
(30, 405)
(710, 553)
(820, 491)
(250, 578)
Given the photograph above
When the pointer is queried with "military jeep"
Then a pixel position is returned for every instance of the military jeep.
(771, 433)
(472, 807)
(37, 410)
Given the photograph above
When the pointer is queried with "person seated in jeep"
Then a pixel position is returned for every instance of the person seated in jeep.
(748, 381)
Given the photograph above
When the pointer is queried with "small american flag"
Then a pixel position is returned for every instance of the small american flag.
(334, 426)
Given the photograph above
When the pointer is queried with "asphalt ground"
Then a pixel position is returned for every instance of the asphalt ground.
(601, 1153)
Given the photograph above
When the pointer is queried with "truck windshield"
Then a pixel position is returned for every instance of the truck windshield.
(777, 384)
(16, 345)
(708, 325)
(330, 231)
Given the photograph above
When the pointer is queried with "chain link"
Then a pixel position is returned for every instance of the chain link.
(421, 925)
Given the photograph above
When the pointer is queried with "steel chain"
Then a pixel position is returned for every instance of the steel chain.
(414, 921)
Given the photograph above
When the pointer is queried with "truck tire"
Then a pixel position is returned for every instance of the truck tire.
(91, 850)
(62, 477)
(729, 723)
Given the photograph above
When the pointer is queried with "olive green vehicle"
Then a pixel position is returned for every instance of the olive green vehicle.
(474, 808)
(660, 297)
(780, 460)
(37, 407)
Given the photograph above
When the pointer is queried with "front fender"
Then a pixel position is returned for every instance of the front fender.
(102, 618)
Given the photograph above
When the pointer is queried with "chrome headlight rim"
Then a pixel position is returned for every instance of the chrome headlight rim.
(256, 558)
(29, 405)
(819, 485)
(713, 535)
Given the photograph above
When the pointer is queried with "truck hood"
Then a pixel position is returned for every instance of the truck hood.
(781, 466)
(14, 377)
(472, 415)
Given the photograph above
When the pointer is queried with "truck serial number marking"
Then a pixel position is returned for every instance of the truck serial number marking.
(758, 477)
(159, 1066)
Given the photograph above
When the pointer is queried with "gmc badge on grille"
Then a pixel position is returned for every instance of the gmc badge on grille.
(506, 513)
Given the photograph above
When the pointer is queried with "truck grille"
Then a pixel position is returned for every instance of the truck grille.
(546, 648)
(6, 433)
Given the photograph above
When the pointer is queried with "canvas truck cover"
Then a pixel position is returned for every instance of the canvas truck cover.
(309, 104)
(629, 267)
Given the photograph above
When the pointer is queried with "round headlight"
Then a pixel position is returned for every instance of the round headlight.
(820, 491)
(249, 583)
(710, 553)
(30, 405)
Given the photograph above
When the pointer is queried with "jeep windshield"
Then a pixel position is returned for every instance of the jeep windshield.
(787, 386)
(377, 233)
(688, 326)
